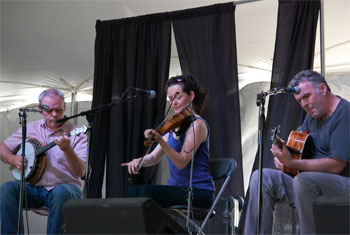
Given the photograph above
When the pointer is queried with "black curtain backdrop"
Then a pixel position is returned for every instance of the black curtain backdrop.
(294, 51)
(132, 52)
(206, 43)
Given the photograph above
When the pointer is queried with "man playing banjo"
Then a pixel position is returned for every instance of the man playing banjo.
(64, 166)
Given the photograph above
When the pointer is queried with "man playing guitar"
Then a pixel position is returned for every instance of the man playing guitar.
(324, 173)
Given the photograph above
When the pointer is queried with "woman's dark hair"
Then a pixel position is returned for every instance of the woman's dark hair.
(189, 84)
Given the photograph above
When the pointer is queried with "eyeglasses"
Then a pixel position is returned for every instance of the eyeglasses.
(177, 96)
(51, 110)
(176, 80)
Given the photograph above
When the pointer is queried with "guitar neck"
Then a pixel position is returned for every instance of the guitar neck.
(290, 148)
(278, 141)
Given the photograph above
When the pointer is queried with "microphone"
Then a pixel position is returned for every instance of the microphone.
(62, 119)
(30, 110)
(151, 94)
(294, 90)
(44, 107)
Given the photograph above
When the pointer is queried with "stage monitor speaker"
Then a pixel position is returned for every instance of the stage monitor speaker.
(331, 215)
(118, 216)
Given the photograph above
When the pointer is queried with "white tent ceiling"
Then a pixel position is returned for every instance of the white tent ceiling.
(51, 43)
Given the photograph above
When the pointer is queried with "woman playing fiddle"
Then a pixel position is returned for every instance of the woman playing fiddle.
(179, 146)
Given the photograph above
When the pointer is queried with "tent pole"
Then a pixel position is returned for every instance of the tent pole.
(244, 1)
(322, 54)
(73, 107)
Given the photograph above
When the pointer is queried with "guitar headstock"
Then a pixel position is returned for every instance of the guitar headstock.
(79, 130)
(276, 135)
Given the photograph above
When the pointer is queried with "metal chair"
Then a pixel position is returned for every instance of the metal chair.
(219, 168)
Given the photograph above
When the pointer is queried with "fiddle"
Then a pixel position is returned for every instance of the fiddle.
(185, 117)
(171, 123)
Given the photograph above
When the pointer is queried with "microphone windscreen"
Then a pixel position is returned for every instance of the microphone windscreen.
(152, 94)
(297, 90)
(44, 107)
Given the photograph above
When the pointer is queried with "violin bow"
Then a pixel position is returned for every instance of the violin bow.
(166, 114)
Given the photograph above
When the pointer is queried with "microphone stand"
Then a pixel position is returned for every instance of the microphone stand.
(23, 122)
(260, 101)
(190, 189)
(89, 116)
(101, 107)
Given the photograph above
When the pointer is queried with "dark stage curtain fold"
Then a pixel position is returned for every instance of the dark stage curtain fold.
(206, 43)
(132, 52)
(294, 51)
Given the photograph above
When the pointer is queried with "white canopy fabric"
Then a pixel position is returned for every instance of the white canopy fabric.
(51, 43)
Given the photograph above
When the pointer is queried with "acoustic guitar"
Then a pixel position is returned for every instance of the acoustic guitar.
(36, 158)
(299, 145)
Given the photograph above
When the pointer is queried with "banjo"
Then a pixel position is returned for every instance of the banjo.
(36, 158)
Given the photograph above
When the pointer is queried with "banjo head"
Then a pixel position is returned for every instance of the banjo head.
(30, 147)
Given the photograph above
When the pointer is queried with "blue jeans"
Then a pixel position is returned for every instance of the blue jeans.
(299, 192)
(35, 197)
(166, 195)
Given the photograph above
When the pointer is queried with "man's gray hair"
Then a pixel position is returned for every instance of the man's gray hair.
(51, 93)
(308, 75)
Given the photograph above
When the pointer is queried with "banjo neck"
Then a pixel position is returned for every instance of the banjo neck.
(42, 150)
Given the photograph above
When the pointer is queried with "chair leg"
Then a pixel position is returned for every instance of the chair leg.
(214, 203)
(184, 216)
(238, 204)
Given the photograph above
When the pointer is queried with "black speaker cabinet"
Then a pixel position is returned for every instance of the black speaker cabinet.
(331, 215)
(118, 216)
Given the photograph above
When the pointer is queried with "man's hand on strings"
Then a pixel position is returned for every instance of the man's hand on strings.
(64, 143)
(278, 163)
(16, 162)
(282, 155)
